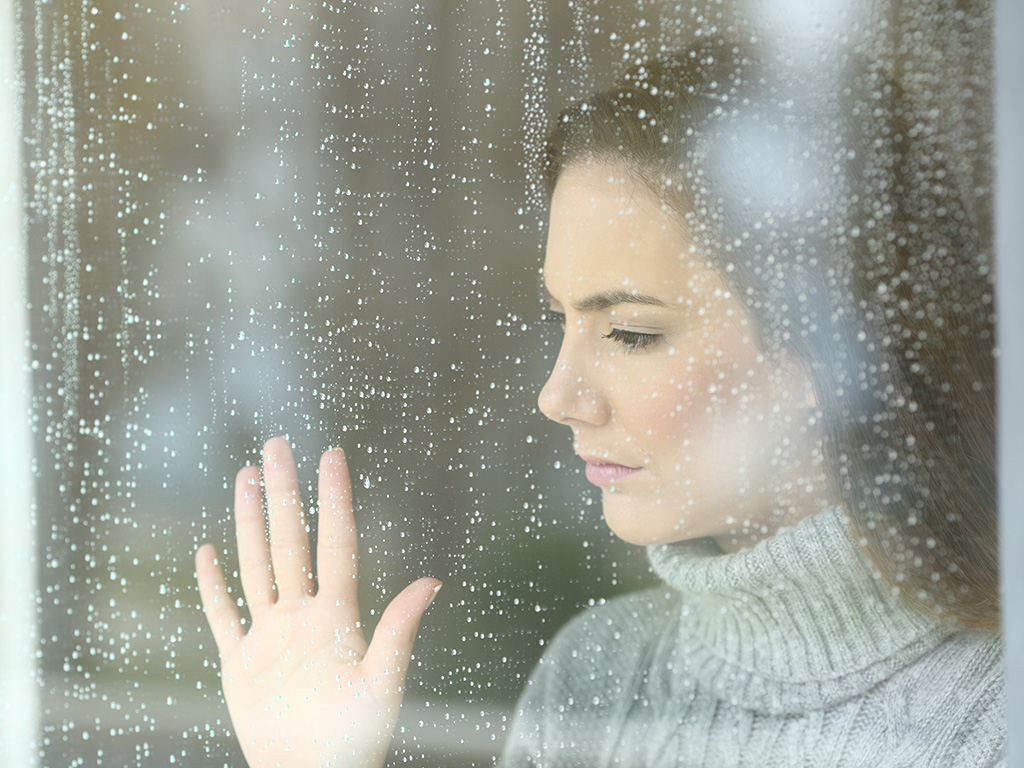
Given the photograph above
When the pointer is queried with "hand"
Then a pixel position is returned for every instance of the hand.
(302, 686)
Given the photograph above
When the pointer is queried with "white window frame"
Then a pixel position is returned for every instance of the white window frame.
(1009, 241)
(19, 696)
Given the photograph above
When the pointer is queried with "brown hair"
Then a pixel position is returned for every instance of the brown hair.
(836, 224)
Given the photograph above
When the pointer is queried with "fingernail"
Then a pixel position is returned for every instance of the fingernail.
(433, 594)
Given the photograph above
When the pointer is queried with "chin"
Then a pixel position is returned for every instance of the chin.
(639, 523)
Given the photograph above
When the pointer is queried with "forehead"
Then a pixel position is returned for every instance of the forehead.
(608, 231)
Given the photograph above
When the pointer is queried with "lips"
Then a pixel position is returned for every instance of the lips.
(601, 472)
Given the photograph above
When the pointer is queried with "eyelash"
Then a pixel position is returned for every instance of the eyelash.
(631, 341)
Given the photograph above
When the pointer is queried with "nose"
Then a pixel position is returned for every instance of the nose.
(572, 394)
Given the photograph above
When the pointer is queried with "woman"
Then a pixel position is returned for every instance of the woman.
(766, 371)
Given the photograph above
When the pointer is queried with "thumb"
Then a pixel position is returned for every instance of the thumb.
(387, 658)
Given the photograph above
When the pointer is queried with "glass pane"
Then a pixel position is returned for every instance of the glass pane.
(328, 221)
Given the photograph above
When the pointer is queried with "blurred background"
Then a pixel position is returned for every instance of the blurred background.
(321, 219)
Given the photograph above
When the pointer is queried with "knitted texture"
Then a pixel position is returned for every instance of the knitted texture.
(791, 653)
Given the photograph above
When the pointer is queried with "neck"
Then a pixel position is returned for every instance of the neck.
(795, 497)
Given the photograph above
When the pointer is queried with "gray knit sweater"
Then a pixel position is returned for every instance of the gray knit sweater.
(787, 654)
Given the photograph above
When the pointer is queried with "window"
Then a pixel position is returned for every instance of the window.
(324, 220)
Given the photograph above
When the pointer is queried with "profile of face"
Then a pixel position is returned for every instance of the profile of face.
(689, 429)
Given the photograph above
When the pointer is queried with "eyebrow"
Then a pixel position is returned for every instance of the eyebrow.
(596, 302)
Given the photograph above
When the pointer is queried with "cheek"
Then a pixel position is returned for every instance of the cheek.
(718, 398)
(694, 388)
(671, 403)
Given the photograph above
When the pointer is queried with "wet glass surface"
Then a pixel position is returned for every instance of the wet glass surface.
(325, 220)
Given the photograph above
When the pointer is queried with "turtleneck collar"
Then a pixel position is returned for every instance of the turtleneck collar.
(797, 622)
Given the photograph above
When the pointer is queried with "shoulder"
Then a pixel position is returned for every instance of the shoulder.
(952, 702)
(586, 672)
(970, 669)
(597, 654)
(610, 633)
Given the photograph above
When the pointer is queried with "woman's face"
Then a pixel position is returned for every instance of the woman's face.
(688, 429)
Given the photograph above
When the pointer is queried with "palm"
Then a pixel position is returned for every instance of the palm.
(302, 685)
(319, 677)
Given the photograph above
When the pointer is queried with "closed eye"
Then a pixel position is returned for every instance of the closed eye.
(632, 341)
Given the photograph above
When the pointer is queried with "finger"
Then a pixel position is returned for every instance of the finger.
(221, 611)
(253, 548)
(336, 552)
(289, 542)
(387, 658)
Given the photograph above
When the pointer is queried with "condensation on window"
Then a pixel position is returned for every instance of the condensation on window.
(325, 220)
